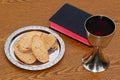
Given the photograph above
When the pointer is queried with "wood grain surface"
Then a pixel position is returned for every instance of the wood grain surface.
(15, 14)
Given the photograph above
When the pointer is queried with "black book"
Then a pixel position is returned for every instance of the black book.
(70, 20)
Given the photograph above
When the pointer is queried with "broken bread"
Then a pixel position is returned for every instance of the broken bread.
(26, 40)
(35, 45)
(55, 45)
(27, 58)
(39, 49)
(49, 40)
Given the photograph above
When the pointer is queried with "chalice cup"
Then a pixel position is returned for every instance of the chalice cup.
(100, 30)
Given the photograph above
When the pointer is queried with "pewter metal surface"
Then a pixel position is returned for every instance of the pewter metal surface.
(55, 57)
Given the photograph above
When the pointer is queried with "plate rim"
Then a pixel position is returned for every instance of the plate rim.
(38, 67)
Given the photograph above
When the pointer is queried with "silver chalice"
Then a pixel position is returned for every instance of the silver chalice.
(100, 30)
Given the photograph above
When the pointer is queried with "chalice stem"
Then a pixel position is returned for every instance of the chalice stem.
(95, 61)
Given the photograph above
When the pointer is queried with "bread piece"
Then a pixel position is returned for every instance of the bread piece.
(39, 49)
(26, 40)
(27, 58)
(48, 40)
(55, 45)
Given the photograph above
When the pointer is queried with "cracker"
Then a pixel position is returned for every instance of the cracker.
(39, 49)
(27, 58)
(26, 40)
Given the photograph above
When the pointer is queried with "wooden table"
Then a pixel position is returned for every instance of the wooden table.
(15, 14)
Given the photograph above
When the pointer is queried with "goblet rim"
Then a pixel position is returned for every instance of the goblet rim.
(102, 35)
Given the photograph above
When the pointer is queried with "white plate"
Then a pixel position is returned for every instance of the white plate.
(55, 57)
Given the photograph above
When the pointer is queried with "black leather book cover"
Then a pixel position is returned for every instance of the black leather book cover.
(70, 21)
